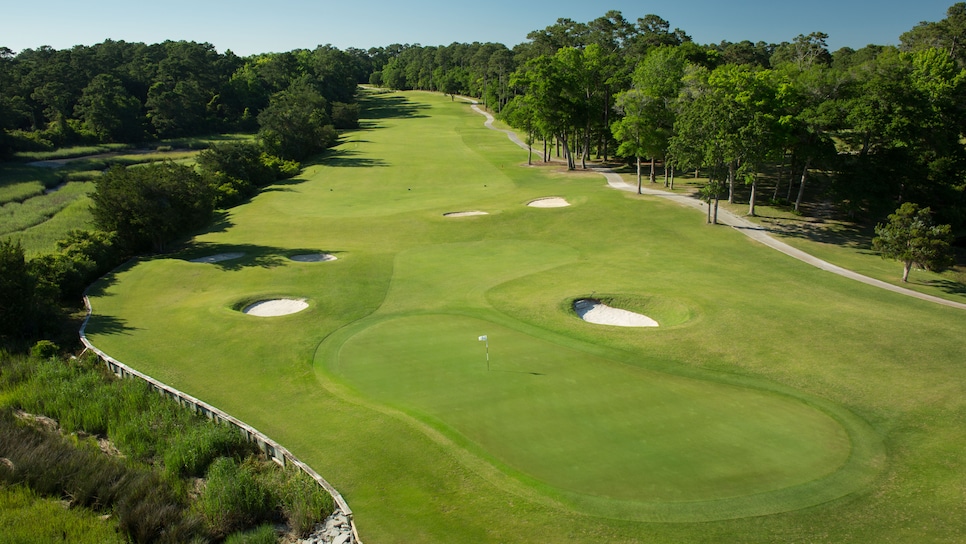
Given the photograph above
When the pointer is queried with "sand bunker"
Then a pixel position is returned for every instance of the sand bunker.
(218, 258)
(314, 257)
(595, 312)
(276, 307)
(550, 202)
(464, 214)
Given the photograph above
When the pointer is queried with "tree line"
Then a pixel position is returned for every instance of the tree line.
(883, 122)
(117, 91)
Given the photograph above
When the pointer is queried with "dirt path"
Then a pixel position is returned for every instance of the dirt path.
(753, 231)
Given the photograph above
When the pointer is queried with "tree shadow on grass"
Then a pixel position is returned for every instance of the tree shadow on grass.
(350, 159)
(239, 256)
(390, 107)
(948, 286)
(837, 233)
(232, 256)
(108, 325)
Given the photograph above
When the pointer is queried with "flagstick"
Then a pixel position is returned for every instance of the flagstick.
(487, 341)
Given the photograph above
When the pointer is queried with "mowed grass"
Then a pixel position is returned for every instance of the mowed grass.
(852, 395)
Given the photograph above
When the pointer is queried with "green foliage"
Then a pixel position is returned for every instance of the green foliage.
(191, 451)
(17, 287)
(911, 237)
(264, 534)
(44, 349)
(28, 518)
(345, 115)
(302, 501)
(150, 206)
(296, 124)
(233, 498)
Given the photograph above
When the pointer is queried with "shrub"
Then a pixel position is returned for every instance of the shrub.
(233, 499)
(44, 349)
(192, 451)
(264, 534)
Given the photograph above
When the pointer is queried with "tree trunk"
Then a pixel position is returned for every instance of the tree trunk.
(906, 267)
(664, 163)
(781, 170)
(546, 153)
(672, 176)
(653, 176)
(731, 182)
(639, 175)
(801, 188)
(606, 122)
(751, 201)
(530, 149)
(715, 220)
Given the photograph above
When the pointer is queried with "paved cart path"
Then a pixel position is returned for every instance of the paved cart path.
(752, 230)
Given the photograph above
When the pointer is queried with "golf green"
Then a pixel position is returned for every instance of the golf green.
(606, 434)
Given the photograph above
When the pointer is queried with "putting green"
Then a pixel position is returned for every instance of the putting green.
(599, 429)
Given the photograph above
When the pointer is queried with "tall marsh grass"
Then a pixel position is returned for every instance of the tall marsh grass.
(163, 447)
(28, 518)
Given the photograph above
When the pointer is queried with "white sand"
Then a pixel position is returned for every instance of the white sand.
(276, 307)
(464, 214)
(602, 314)
(314, 257)
(550, 202)
(218, 258)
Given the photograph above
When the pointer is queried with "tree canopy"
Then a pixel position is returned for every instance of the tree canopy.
(911, 237)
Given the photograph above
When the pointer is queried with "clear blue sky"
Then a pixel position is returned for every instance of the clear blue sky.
(248, 27)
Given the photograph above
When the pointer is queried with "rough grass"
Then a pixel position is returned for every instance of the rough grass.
(414, 468)
(38, 218)
(26, 518)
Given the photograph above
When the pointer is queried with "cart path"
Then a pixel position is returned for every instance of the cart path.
(752, 230)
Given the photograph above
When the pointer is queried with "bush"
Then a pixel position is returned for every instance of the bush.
(264, 534)
(233, 499)
(192, 451)
(44, 349)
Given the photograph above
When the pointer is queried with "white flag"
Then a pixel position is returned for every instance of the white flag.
(483, 338)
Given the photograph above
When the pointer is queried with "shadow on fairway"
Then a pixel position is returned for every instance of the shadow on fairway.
(949, 286)
(350, 159)
(253, 255)
(518, 372)
(395, 107)
(108, 325)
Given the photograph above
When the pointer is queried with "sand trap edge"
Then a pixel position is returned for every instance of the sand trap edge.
(465, 214)
(217, 258)
(549, 202)
(275, 307)
(313, 257)
(595, 312)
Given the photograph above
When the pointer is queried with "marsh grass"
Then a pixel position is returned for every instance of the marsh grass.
(150, 504)
(70, 152)
(28, 518)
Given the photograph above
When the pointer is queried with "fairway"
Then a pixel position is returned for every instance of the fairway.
(772, 398)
